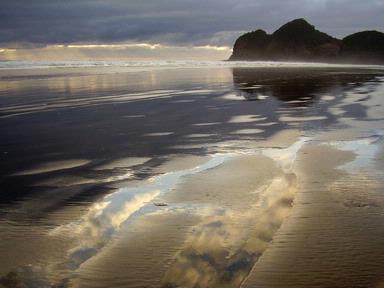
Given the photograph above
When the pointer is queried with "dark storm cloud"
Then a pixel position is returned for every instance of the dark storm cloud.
(180, 22)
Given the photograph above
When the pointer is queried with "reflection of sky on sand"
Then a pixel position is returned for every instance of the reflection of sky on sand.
(57, 104)
(365, 149)
(231, 229)
(105, 218)
(301, 119)
(246, 119)
(286, 157)
(99, 225)
(223, 236)
(223, 248)
(248, 131)
(123, 162)
(53, 166)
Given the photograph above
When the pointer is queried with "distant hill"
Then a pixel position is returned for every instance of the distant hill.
(300, 41)
(363, 46)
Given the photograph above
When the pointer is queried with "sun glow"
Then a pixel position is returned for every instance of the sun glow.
(112, 46)
(6, 50)
(217, 48)
(115, 51)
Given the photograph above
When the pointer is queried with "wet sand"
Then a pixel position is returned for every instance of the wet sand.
(198, 177)
(333, 237)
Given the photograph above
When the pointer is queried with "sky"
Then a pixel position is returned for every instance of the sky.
(163, 29)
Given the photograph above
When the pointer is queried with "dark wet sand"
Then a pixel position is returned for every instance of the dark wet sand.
(203, 177)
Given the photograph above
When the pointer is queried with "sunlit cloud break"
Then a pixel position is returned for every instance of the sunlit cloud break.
(218, 48)
(112, 46)
(5, 50)
(116, 51)
(138, 45)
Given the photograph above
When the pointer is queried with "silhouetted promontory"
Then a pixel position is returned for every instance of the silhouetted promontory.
(300, 41)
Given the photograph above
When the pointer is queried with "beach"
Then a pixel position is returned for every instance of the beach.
(191, 174)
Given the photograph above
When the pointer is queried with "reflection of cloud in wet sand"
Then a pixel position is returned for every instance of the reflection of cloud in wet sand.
(123, 163)
(301, 119)
(26, 277)
(222, 250)
(53, 166)
(64, 181)
(248, 131)
(104, 219)
(249, 196)
(97, 227)
(91, 234)
(118, 170)
(231, 237)
(206, 124)
(322, 241)
(246, 119)
(199, 135)
(158, 134)
(223, 206)
(55, 104)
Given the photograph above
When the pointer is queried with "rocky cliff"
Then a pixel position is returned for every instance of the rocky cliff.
(300, 41)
